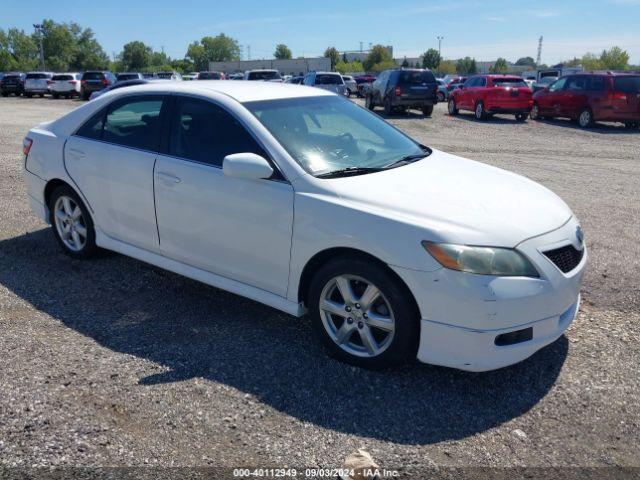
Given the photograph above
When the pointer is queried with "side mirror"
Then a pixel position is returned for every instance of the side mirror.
(246, 165)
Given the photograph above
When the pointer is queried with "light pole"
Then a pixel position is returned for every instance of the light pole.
(39, 30)
(439, 51)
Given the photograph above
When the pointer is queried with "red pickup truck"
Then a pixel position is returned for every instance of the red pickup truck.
(486, 95)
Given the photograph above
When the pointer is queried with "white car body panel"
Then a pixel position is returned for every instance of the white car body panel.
(255, 237)
(66, 87)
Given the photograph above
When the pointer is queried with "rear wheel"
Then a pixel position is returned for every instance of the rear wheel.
(479, 112)
(72, 223)
(451, 107)
(42, 95)
(29, 95)
(362, 315)
(631, 125)
(521, 117)
(427, 110)
(585, 118)
(5, 94)
(55, 95)
(441, 97)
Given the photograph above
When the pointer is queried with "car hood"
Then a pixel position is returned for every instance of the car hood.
(458, 200)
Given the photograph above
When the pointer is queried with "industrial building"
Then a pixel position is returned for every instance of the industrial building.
(294, 66)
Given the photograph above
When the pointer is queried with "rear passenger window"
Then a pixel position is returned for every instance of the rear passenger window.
(92, 129)
(134, 123)
(596, 84)
(206, 133)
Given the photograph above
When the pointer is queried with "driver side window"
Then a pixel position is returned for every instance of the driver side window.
(558, 85)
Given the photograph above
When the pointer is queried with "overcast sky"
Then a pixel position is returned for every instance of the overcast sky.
(484, 30)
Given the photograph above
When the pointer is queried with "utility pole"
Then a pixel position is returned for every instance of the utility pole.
(39, 31)
(361, 46)
(440, 45)
(248, 52)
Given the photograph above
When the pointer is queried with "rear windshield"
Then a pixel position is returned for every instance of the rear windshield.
(209, 76)
(416, 78)
(327, 79)
(62, 77)
(627, 84)
(509, 82)
(10, 77)
(37, 76)
(264, 76)
(93, 76)
(165, 75)
(127, 76)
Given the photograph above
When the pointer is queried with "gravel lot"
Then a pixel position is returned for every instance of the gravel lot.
(114, 362)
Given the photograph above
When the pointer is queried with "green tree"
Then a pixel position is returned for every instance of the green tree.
(589, 61)
(501, 66)
(405, 62)
(18, 51)
(182, 65)
(213, 49)
(59, 45)
(349, 67)
(378, 55)
(384, 65)
(333, 54)
(282, 52)
(89, 53)
(447, 67)
(615, 59)
(467, 66)
(136, 56)
(526, 61)
(431, 59)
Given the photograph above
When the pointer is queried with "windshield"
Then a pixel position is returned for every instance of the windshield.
(93, 76)
(548, 80)
(328, 133)
(268, 75)
(416, 77)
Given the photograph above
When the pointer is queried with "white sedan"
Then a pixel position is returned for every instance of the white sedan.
(302, 200)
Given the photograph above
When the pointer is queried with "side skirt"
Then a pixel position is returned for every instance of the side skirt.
(242, 289)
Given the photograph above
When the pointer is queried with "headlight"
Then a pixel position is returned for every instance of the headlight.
(481, 260)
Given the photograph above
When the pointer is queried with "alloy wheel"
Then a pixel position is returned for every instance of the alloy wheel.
(70, 223)
(585, 118)
(357, 316)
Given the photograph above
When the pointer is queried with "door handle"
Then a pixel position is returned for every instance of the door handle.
(77, 153)
(168, 178)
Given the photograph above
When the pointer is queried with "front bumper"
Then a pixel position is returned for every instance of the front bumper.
(462, 314)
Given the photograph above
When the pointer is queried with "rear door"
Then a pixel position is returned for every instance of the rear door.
(575, 96)
(111, 158)
(549, 100)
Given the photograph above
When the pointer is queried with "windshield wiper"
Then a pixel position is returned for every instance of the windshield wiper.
(344, 172)
(407, 159)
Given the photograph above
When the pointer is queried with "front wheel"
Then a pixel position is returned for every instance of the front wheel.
(72, 223)
(362, 315)
(451, 106)
(521, 117)
(368, 103)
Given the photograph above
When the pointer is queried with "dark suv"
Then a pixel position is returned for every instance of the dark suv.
(12, 82)
(94, 81)
(403, 89)
(591, 97)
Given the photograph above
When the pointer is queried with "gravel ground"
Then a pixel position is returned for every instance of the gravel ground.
(114, 362)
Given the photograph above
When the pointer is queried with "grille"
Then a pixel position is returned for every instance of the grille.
(565, 258)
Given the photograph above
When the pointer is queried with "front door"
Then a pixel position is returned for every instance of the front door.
(111, 159)
(236, 228)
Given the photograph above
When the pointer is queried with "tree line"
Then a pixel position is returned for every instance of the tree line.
(70, 47)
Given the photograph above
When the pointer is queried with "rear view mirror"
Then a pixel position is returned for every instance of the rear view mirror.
(246, 165)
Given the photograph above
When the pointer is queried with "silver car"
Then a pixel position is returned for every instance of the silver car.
(331, 81)
(352, 86)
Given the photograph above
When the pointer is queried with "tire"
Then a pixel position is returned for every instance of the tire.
(68, 224)
(451, 107)
(56, 96)
(521, 117)
(388, 107)
(5, 94)
(396, 332)
(479, 112)
(585, 118)
(41, 95)
(631, 125)
(534, 114)
(368, 103)
(85, 96)
(427, 110)
(29, 95)
(441, 98)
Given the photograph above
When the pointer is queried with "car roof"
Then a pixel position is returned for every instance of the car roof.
(240, 91)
